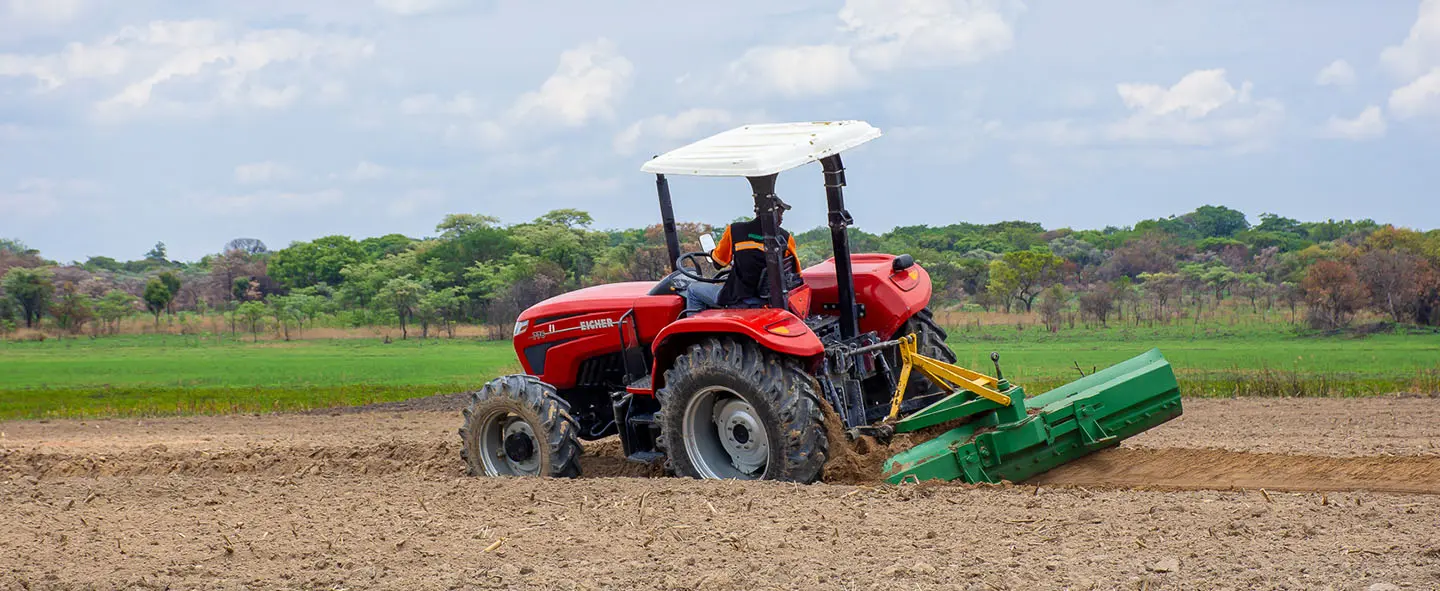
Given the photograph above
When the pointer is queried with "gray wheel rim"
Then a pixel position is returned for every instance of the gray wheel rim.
(724, 437)
(494, 428)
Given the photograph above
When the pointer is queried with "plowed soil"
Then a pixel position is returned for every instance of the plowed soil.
(1236, 494)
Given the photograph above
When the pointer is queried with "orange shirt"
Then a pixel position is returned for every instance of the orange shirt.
(727, 247)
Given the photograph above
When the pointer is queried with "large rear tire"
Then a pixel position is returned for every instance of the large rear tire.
(930, 342)
(518, 425)
(732, 409)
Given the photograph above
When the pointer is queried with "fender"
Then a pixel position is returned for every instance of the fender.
(766, 326)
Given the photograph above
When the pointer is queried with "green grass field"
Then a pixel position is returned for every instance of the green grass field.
(159, 375)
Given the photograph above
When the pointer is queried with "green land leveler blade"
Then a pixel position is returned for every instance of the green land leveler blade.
(1025, 437)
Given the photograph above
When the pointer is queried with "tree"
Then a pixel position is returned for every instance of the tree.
(157, 253)
(172, 283)
(253, 313)
(1098, 302)
(403, 294)
(1216, 221)
(1333, 292)
(248, 246)
(1161, 288)
(1023, 274)
(1395, 281)
(73, 310)
(1052, 303)
(157, 297)
(303, 264)
(113, 307)
(443, 306)
(30, 289)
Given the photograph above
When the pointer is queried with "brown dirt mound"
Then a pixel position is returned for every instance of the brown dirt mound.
(1220, 469)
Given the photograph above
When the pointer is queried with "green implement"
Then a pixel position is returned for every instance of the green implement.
(1010, 437)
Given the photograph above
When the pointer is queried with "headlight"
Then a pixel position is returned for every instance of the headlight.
(520, 326)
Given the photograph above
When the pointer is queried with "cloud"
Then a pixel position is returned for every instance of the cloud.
(588, 82)
(257, 173)
(893, 34)
(1194, 96)
(796, 71)
(878, 36)
(270, 202)
(1369, 124)
(41, 197)
(1420, 97)
(193, 66)
(1338, 73)
(414, 7)
(686, 125)
(1416, 61)
(1202, 109)
(55, 11)
(1421, 49)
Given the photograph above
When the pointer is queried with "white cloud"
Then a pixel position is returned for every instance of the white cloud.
(1338, 73)
(1421, 49)
(1369, 124)
(1420, 97)
(269, 202)
(1194, 96)
(414, 7)
(796, 71)
(878, 36)
(41, 197)
(686, 125)
(1202, 109)
(588, 82)
(892, 34)
(55, 11)
(1416, 61)
(256, 173)
(162, 64)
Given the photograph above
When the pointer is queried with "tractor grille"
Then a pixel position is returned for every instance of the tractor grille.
(601, 370)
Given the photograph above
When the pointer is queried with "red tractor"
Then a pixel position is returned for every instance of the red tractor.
(723, 393)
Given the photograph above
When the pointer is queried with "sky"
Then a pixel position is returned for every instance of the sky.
(193, 122)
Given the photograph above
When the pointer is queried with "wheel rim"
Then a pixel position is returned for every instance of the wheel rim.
(724, 436)
(508, 446)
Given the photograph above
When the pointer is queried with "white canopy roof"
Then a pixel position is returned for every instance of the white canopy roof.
(762, 149)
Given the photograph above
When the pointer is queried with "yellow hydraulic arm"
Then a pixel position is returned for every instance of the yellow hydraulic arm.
(945, 375)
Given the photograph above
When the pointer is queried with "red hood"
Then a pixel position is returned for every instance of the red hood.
(611, 296)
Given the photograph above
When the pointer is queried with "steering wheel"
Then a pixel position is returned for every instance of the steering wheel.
(693, 258)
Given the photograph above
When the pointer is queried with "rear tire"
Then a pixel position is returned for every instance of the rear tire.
(930, 342)
(732, 409)
(518, 425)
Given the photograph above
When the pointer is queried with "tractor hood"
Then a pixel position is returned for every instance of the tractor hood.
(614, 296)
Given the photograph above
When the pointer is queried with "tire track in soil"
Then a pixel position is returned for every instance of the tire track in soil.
(1165, 468)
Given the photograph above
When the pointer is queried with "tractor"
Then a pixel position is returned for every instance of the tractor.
(740, 392)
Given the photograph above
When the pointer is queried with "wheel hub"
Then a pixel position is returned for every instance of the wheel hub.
(519, 447)
(741, 435)
(508, 446)
(724, 436)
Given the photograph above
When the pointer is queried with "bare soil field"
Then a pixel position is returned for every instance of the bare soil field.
(1236, 494)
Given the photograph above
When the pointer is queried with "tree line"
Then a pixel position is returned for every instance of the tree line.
(476, 270)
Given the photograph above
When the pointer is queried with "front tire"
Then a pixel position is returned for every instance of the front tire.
(732, 409)
(518, 425)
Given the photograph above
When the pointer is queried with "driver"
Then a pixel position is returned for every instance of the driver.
(742, 248)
